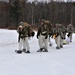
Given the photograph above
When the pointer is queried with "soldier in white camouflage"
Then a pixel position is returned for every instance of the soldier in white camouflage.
(57, 31)
(50, 31)
(42, 36)
(24, 33)
(64, 30)
(62, 35)
(70, 31)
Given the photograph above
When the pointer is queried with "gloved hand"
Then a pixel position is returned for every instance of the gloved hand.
(45, 37)
(62, 38)
(68, 34)
(33, 33)
(28, 34)
(63, 32)
(37, 36)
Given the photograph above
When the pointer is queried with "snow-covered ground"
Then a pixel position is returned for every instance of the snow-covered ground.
(54, 62)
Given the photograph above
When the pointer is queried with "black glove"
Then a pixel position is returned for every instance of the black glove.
(33, 33)
(28, 34)
(45, 37)
(68, 34)
(62, 38)
(63, 32)
(37, 36)
(50, 34)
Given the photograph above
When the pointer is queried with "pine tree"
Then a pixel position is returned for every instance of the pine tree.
(14, 12)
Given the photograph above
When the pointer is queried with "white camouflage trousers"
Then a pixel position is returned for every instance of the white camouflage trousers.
(24, 44)
(70, 37)
(57, 40)
(43, 43)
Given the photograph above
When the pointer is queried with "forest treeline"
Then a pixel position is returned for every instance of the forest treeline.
(32, 12)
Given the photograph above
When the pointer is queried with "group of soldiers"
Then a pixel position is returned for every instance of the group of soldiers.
(45, 32)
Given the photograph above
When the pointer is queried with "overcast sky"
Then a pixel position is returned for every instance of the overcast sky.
(49, 0)
(38, 0)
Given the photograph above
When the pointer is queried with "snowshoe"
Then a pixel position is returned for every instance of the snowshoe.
(57, 47)
(24, 50)
(50, 44)
(27, 52)
(18, 51)
(61, 46)
(70, 41)
(40, 50)
(45, 50)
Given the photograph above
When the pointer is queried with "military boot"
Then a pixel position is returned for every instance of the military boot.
(18, 51)
(57, 47)
(61, 46)
(70, 41)
(24, 50)
(40, 50)
(45, 50)
(50, 44)
(27, 51)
